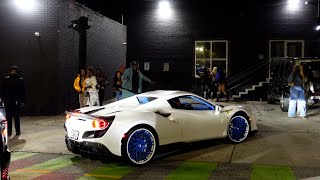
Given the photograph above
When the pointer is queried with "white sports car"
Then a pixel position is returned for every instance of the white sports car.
(135, 127)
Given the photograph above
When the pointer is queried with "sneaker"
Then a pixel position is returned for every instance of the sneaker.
(18, 133)
(304, 117)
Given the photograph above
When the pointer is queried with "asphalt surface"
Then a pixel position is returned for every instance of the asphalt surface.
(284, 148)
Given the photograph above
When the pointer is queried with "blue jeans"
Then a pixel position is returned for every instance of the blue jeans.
(118, 95)
(297, 97)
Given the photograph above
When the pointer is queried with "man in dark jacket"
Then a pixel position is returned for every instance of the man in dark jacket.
(13, 94)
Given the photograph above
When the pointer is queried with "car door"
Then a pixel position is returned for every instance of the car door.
(199, 119)
(168, 126)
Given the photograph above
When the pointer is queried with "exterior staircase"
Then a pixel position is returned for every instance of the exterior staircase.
(251, 84)
(244, 95)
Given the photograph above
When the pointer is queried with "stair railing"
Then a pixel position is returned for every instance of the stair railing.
(247, 75)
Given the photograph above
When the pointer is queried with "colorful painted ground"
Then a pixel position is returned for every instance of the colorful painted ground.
(26, 165)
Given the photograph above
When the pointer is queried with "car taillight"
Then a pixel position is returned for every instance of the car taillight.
(73, 113)
(4, 173)
(99, 123)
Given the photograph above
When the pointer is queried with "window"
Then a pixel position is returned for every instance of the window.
(210, 54)
(190, 103)
(286, 48)
(144, 99)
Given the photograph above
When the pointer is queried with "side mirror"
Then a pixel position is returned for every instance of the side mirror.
(218, 108)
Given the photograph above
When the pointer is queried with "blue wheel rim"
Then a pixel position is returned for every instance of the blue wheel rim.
(238, 129)
(141, 146)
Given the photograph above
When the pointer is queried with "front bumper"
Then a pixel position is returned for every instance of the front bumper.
(88, 149)
(5, 161)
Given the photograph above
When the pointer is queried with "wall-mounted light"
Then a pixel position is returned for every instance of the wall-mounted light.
(293, 5)
(26, 5)
(318, 24)
(37, 34)
(164, 10)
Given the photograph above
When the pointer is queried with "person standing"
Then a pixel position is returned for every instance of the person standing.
(297, 93)
(79, 85)
(91, 90)
(102, 83)
(220, 80)
(14, 98)
(117, 84)
(122, 68)
(132, 80)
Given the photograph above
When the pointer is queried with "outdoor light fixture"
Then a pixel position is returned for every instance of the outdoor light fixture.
(318, 17)
(26, 5)
(318, 24)
(293, 5)
(37, 34)
(201, 49)
(307, 2)
(165, 11)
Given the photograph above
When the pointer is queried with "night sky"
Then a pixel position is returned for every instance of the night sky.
(111, 9)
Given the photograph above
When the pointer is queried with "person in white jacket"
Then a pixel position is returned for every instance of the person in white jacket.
(91, 89)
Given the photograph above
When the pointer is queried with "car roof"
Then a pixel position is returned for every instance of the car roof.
(165, 94)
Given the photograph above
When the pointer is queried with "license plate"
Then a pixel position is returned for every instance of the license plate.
(74, 135)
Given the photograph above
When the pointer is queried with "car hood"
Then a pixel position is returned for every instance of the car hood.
(246, 108)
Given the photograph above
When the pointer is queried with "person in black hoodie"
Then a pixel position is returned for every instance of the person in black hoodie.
(102, 83)
(13, 94)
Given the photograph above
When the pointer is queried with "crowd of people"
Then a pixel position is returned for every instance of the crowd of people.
(214, 84)
(91, 84)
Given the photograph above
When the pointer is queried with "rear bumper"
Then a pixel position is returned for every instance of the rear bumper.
(5, 161)
(88, 149)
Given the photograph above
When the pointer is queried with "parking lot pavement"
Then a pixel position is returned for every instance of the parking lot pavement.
(281, 141)
(26, 165)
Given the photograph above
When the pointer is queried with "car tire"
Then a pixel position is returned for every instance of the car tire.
(139, 146)
(238, 129)
(271, 99)
(284, 102)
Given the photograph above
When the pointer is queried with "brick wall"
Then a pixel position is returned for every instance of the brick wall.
(36, 56)
(105, 46)
(49, 63)
(248, 26)
(105, 49)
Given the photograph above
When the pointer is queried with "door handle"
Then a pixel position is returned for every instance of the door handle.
(163, 114)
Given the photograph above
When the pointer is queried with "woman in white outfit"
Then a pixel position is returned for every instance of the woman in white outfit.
(91, 90)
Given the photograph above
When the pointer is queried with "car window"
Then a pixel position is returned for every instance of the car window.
(145, 99)
(190, 103)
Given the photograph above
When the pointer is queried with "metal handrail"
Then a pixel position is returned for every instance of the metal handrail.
(240, 84)
(246, 72)
(247, 75)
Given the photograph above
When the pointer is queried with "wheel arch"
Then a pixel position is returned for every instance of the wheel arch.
(241, 113)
